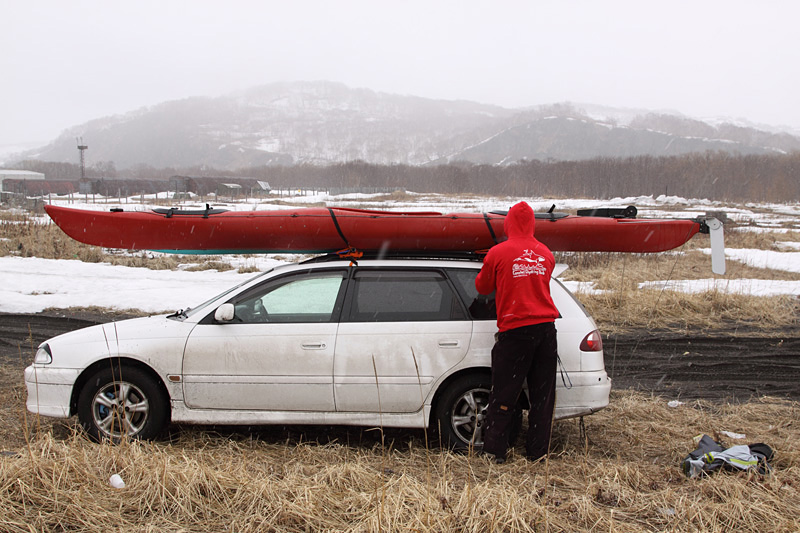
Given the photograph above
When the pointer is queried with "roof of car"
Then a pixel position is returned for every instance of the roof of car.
(398, 256)
(419, 259)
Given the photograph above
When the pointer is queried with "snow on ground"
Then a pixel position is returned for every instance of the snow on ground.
(787, 261)
(757, 229)
(31, 285)
(759, 287)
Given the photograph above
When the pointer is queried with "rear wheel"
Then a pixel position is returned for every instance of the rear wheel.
(123, 403)
(461, 413)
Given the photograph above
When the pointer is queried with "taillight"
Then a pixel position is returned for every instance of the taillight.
(592, 342)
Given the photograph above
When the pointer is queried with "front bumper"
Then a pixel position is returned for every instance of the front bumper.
(50, 390)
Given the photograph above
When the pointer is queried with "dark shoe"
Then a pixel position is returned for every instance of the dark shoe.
(498, 459)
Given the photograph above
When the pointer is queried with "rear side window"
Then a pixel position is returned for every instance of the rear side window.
(403, 296)
(480, 307)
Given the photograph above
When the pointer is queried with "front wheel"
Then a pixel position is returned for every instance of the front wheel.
(123, 402)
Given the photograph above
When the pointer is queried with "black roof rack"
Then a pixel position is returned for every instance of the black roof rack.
(399, 254)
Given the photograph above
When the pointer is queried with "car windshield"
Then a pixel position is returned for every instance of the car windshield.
(192, 310)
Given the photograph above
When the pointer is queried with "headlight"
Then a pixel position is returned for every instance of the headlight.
(43, 355)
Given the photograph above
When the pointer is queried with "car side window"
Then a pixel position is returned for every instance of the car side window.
(480, 307)
(403, 296)
(295, 299)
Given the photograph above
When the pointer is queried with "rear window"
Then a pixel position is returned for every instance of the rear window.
(480, 307)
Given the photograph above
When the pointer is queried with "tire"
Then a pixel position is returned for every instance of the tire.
(460, 412)
(125, 403)
(460, 415)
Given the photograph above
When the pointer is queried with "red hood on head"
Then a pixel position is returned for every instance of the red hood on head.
(520, 221)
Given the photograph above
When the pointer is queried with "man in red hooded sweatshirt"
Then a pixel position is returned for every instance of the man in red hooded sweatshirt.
(519, 270)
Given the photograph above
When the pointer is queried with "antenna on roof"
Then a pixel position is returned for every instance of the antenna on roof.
(82, 147)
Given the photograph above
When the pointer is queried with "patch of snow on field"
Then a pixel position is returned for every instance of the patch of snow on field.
(754, 229)
(31, 285)
(752, 287)
(788, 261)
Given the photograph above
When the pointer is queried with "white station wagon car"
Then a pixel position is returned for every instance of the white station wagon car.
(397, 343)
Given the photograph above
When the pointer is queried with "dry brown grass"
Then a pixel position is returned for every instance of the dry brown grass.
(96, 314)
(627, 310)
(27, 237)
(624, 477)
(614, 271)
(211, 264)
(758, 240)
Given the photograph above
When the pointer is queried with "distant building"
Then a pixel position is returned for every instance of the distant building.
(261, 188)
(228, 186)
(231, 190)
(182, 186)
(18, 175)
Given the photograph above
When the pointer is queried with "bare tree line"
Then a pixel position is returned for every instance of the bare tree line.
(716, 176)
(712, 175)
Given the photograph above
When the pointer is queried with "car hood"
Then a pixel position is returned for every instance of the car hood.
(140, 338)
(112, 330)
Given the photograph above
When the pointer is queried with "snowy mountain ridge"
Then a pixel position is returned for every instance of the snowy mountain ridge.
(322, 122)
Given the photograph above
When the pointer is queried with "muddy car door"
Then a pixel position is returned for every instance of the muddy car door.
(400, 331)
(275, 353)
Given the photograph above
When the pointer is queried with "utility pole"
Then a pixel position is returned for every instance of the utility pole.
(82, 147)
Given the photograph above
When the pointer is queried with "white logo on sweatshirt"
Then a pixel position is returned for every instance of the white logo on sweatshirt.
(529, 264)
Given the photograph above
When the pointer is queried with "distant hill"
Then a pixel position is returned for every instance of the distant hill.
(323, 122)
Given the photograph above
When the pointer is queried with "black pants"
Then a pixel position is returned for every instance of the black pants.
(529, 352)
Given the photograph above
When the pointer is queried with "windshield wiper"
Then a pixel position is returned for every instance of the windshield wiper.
(181, 313)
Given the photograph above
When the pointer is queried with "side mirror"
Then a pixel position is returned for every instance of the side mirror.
(224, 313)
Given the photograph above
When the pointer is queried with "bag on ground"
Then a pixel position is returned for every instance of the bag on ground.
(710, 456)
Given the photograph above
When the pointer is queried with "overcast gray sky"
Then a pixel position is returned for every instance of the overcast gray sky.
(66, 62)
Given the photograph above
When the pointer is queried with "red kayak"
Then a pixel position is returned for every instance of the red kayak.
(323, 230)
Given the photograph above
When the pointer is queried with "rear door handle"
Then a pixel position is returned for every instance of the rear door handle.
(314, 346)
(449, 344)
